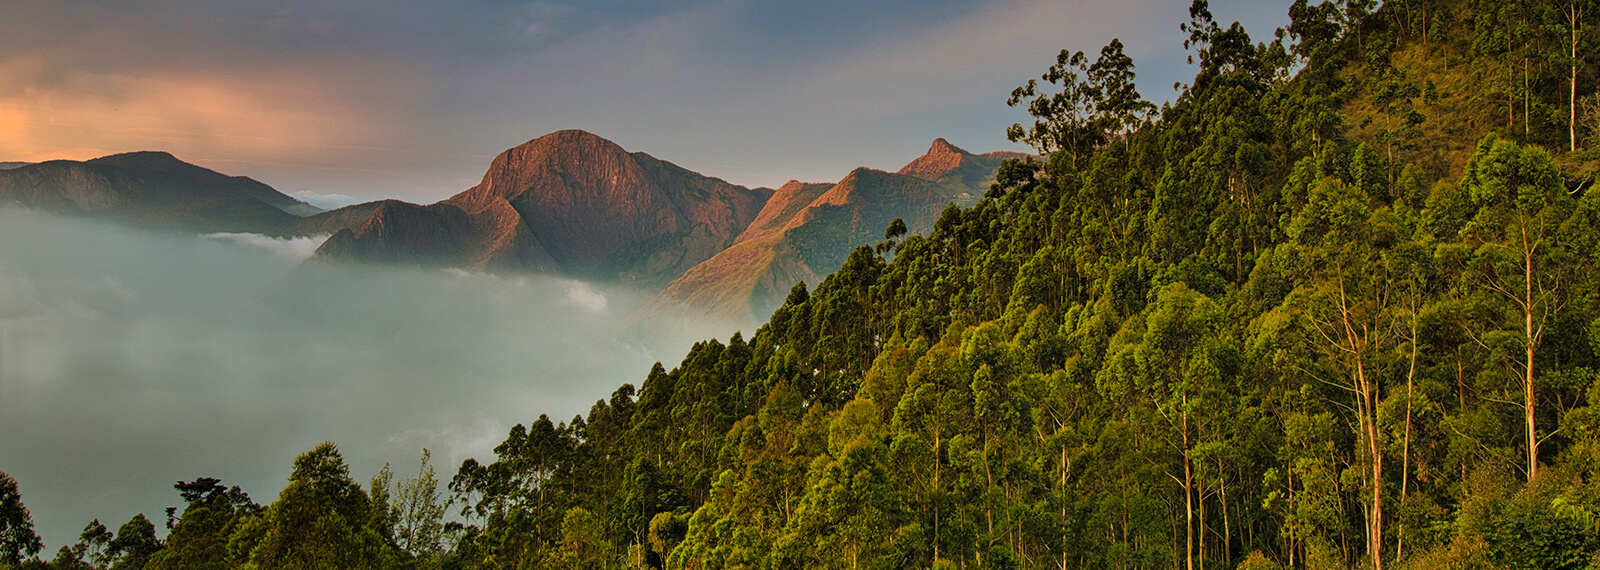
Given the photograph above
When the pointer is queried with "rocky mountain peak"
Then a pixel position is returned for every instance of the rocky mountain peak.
(942, 158)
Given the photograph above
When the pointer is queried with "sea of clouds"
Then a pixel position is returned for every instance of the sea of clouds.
(130, 360)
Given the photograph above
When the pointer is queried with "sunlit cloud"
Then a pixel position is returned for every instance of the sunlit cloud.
(582, 296)
(298, 248)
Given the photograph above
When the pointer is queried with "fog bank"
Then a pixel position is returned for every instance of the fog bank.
(131, 360)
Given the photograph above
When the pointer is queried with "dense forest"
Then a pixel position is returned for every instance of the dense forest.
(1335, 306)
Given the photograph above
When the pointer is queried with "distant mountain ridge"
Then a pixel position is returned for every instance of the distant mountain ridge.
(807, 230)
(570, 203)
(151, 189)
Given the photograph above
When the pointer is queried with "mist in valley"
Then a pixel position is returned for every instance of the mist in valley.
(131, 360)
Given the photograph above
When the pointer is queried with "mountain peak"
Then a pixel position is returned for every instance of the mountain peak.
(597, 209)
(141, 159)
(566, 137)
(941, 146)
(558, 146)
(942, 158)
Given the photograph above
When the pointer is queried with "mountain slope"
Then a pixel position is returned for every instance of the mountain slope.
(152, 189)
(787, 201)
(751, 277)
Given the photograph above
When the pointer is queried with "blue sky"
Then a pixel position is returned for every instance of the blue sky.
(412, 98)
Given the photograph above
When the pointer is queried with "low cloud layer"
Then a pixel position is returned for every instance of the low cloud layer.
(129, 361)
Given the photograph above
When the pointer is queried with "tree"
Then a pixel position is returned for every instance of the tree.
(17, 539)
(1315, 30)
(96, 541)
(582, 541)
(1094, 102)
(1521, 203)
(1065, 120)
(200, 537)
(135, 542)
(667, 530)
(1577, 15)
(320, 520)
(419, 527)
(897, 228)
(1118, 97)
(850, 507)
(1172, 356)
(1344, 303)
(471, 479)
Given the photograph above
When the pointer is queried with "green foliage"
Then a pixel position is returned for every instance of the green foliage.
(135, 543)
(322, 519)
(17, 539)
(200, 538)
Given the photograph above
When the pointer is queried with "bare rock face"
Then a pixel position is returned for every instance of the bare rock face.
(578, 204)
(151, 189)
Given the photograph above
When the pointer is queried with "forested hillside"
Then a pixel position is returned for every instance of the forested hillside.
(1333, 307)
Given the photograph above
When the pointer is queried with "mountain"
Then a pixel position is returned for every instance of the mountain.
(751, 278)
(151, 189)
(807, 230)
(569, 201)
(11, 165)
(956, 172)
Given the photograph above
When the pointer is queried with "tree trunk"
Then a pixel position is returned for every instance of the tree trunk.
(1188, 496)
(1366, 408)
(988, 492)
(1375, 546)
(1062, 491)
(937, 432)
(1511, 84)
(1227, 529)
(1528, 349)
(1572, 81)
(1200, 520)
(1290, 472)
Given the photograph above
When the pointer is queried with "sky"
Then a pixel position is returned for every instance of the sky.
(357, 100)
